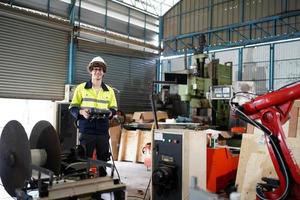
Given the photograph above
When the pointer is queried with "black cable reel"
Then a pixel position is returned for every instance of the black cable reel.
(18, 155)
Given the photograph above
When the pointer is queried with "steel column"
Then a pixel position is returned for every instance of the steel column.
(271, 68)
(71, 52)
(158, 73)
(240, 65)
(161, 31)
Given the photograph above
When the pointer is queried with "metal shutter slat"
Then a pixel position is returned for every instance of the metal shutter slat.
(33, 60)
(131, 75)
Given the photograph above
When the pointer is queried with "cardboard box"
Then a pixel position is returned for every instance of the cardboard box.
(147, 116)
(129, 118)
(137, 116)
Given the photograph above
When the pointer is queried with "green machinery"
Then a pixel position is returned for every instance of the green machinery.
(194, 89)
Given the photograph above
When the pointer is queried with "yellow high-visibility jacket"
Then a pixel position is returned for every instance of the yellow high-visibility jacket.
(85, 97)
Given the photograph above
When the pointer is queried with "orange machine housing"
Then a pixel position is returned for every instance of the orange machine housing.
(221, 168)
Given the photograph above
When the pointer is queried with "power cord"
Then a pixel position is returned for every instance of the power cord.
(288, 85)
(113, 162)
(268, 133)
(147, 189)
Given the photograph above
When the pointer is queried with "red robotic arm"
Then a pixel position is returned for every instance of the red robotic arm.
(273, 109)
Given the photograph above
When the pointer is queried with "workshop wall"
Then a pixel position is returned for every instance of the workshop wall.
(27, 112)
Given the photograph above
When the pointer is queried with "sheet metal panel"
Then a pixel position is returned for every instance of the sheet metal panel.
(33, 60)
(256, 9)
(130, 75)
(288, 50)
(256, 67)
(293, 5)
(287, 62)
(256, 54)
(228, 12)
(228, 56)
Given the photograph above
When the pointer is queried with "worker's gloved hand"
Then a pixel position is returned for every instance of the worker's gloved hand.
(85, 113)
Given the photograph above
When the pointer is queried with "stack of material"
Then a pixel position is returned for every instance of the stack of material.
(147, 116)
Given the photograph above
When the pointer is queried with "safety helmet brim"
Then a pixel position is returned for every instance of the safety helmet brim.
(97, 62)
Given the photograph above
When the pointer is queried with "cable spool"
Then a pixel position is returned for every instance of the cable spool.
(45, 142)
(16, 157)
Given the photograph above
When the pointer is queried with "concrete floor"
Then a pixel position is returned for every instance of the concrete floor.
(136, 177)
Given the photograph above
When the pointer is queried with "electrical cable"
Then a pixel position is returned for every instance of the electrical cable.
(147, 188)
(113, 161)
(268, 133)
(289, 84)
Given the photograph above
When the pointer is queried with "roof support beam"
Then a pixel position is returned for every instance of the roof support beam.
(250, 32)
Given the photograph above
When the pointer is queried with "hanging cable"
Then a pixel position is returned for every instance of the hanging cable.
(268, 133)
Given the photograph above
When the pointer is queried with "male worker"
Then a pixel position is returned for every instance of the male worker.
(94, 96)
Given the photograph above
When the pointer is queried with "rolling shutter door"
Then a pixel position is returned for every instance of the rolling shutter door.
(33, 60)
(131, 76)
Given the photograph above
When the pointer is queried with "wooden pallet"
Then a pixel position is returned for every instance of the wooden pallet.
(115, 136)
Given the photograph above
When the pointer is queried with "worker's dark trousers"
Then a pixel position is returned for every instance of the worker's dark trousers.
(98, 142)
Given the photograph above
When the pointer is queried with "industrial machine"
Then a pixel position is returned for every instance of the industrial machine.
(272, 109)
(173, 162)
(188, 95)
(66, 127)
(38, 166)
(181, 155)
(178, 154)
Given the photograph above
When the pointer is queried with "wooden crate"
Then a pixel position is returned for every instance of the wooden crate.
(115, 136)
(132, 143)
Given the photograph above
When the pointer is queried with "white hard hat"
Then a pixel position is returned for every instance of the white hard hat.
(97, 60)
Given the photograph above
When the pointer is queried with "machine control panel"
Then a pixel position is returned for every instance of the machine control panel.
(221, 92)
(167, 166)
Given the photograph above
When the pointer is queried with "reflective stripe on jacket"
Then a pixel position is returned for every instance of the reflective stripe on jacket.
(85, 97)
